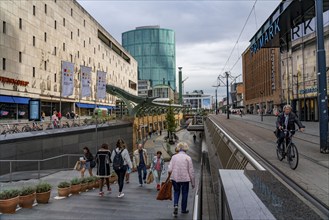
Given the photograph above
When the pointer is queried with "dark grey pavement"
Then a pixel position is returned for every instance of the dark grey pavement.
(138, 202)
(312, 173)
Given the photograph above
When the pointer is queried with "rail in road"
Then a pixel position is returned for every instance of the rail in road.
(310, 180)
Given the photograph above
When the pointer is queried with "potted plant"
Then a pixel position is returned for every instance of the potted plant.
(8, 201)
(27, 197)
(84, 184)
(75, 185)
(90, 181)
(64, 189)
(43, 191)
(96, 181)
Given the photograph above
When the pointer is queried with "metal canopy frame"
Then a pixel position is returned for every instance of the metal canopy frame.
(140, 106)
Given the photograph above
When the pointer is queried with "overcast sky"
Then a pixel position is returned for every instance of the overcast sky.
(206, 31)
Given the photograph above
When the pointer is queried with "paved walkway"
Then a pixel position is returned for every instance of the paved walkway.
(138, 202)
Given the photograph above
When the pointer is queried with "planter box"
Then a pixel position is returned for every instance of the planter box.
(43, 198)
(64, 192)
(26, 201)
(8, 206)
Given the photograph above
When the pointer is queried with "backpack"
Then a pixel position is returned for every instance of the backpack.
(118, 160)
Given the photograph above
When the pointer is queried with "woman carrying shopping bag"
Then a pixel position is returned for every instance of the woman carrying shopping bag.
(157, 167)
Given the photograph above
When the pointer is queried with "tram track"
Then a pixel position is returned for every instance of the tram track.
(316, 202)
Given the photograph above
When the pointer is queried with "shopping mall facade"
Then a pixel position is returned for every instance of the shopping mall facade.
(36, 37)
(280, 66)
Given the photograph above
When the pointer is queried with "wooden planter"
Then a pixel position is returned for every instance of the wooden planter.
(8, 206)
(75, 189)
(44, 197)
(96, 184)
(64, 192)
(91, 185)
(84, 187)
(26, 201)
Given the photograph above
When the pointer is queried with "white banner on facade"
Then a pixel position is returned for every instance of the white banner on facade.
(85, 81)
(101, 85)
(67, 78)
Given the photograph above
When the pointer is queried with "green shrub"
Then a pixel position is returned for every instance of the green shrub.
(63, 184)
(75, 181)
(89, 179)
(43, 187)
(8, 194)
(27, 190)
(83, 180)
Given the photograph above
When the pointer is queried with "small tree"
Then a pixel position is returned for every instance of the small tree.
(171, 125)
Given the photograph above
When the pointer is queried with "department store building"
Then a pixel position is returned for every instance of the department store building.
(36, 37)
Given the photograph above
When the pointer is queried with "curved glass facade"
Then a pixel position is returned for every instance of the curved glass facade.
(154, 50)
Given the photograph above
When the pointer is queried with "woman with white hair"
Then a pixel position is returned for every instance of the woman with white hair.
(182, 173)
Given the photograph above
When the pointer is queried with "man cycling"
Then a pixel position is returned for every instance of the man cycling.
(286, 121)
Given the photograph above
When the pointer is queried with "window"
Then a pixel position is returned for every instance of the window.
(45, 8)
(63, 46)
(71, 12)
(55, 51)
(33, 72)
(45, 65)
(64, 22)
(78, 54)
(71, 35)
(45, 37)
(4, 27)
(89, 40)
(34, 10)
(33, 41)
(94, 50)
(3, 63)
(71, 58)
(84, 43)
(89, 60)
(20, 23)
(99, 47)
(55, 25)
(78, 32)
(20, 57)
(84, 23)
(55, 77)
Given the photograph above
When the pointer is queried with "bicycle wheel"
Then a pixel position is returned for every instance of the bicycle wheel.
(292, 156)
(279, 153)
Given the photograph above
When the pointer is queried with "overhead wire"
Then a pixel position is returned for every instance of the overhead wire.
(237, 41)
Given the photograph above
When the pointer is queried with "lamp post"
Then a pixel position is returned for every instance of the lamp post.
(216, 104)
(228, 98)
(261, 106)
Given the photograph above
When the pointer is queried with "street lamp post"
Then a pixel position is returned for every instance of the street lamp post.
(216, 105)
(228, 98)
(261, 106)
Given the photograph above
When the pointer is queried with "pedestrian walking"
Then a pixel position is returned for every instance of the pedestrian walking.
(121, 161)
(181, 174)
(87, 162)
(140, 161)
(157, 167)
(103, 167)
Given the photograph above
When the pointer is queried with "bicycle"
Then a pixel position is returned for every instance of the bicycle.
(289, 149)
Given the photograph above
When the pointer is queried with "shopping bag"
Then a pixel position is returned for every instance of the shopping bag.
(150, 178)
(77, 166)
(165, 192)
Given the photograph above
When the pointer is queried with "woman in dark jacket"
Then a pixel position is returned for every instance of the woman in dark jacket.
(87, 159)
(103, 167)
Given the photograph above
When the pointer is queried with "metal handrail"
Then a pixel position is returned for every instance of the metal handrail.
(251, 160)
(39, 161)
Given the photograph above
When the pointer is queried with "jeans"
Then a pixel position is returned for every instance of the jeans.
(157, 175)
(178, 186)
(121, 176)
(140, 168)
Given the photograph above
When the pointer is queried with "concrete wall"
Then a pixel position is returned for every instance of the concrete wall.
(56, 142)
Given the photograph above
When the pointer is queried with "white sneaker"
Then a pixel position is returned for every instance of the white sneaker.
(121, 195)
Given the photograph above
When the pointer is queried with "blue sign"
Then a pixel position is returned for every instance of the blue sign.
(267, 36)
(34, 110)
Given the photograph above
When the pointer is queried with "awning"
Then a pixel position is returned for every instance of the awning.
(6, 99)
(106, 106)
(14, 99)
(21, 100)
(84, 105)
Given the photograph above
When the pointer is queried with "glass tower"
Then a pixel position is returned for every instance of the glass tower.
(154, 49)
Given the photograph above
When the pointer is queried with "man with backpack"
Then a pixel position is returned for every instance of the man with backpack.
(140, 161)
(121, 161)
